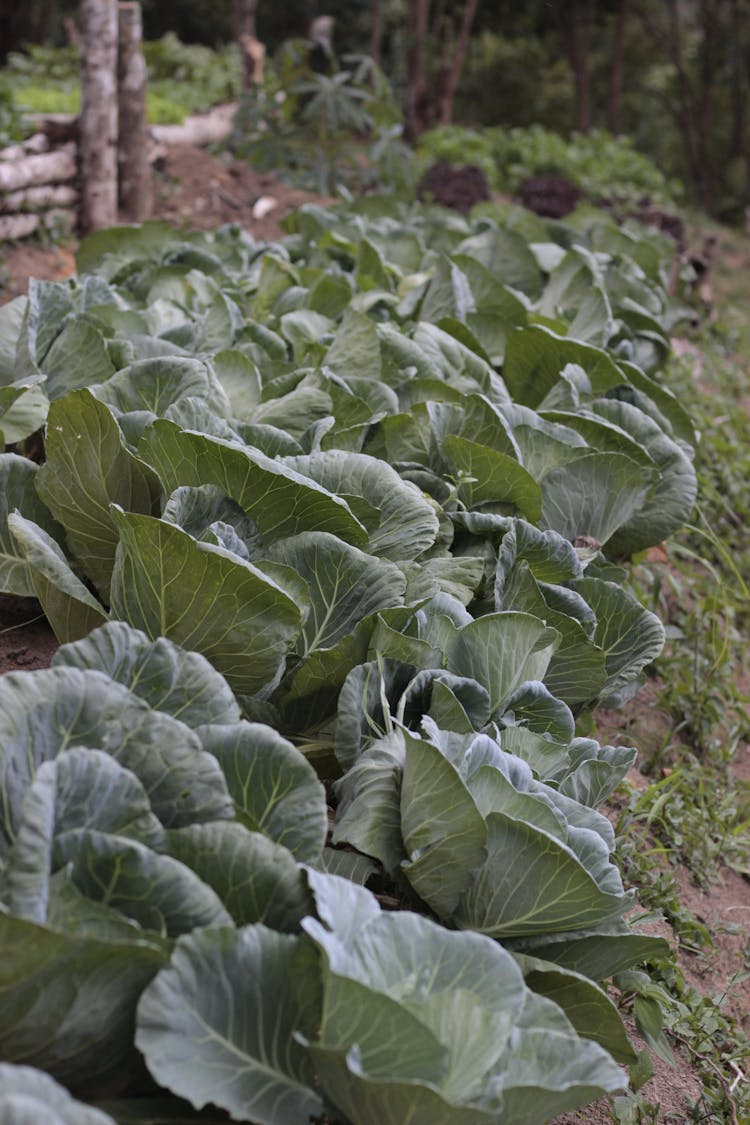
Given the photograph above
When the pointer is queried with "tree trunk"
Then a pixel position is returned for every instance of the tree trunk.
(243, 24)
(739, 83)
(452, 73)
(417, 27)
(98, 127)
(576, 29)
(376, 32)
(618, 69)
(685, 107)
(136, 187)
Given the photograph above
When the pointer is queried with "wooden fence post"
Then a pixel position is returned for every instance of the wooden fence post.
(136, 184)
(98, 127)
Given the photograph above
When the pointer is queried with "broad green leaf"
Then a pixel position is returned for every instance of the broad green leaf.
(255, 879)
(82, 788)
(442, 1045)
(630, 636)
(368, 813)
(23, 411)
(274, 789)
(550, 557)
(534, 358)
(660, 400)
(50, 305)
(374, 1100)
(461, 1012)
(486, 477)
(476, 419)
(71, 609)
(17, 492)
(269, 439)
(199, 510)
(43, 713)
(355, 349)
(445, 697)
(594, 495)
(539, 711)
(330, 293)
(443, 831)
(564, 1071)
(586, 1005)
(546, 888)
(501, 651)
(368, 696)
(275, 277)
(122, 243)
(156, 384)
(88, 468)
(204, 599)
(280, 500)
(457, 576)
(77, 358)
(448, 293)
(28, 1095)
(240, 380)
(595, 771)
(12, 318)
(345, 585)
(577, 670)
(674, 495)
(507, 256)
(347, 865)
(183, 684)
(498, 309)
(68, 1003)
(162, 895)
(313, 687)
(601, 434)
(460, 366)
(230, 1005)
(575, 292)
(404, 524)
(596, 953)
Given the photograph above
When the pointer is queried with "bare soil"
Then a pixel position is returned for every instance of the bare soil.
(203, 191)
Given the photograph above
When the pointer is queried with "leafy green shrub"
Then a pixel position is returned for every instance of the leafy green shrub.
(604, 167)
(323, 129)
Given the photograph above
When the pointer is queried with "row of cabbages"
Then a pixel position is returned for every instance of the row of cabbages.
(350, 508)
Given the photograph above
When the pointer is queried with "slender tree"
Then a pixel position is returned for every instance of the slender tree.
(243, 25)
(136, 190)
(576, 24)
(617, 73)
(98, 125)
(442, 29)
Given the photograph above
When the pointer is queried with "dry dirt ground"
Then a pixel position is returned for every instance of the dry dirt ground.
(199, 190)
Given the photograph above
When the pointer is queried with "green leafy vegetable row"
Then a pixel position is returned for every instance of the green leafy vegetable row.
(349, 506)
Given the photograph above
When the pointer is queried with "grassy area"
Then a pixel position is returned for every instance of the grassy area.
(695, 813)
(182, 80)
